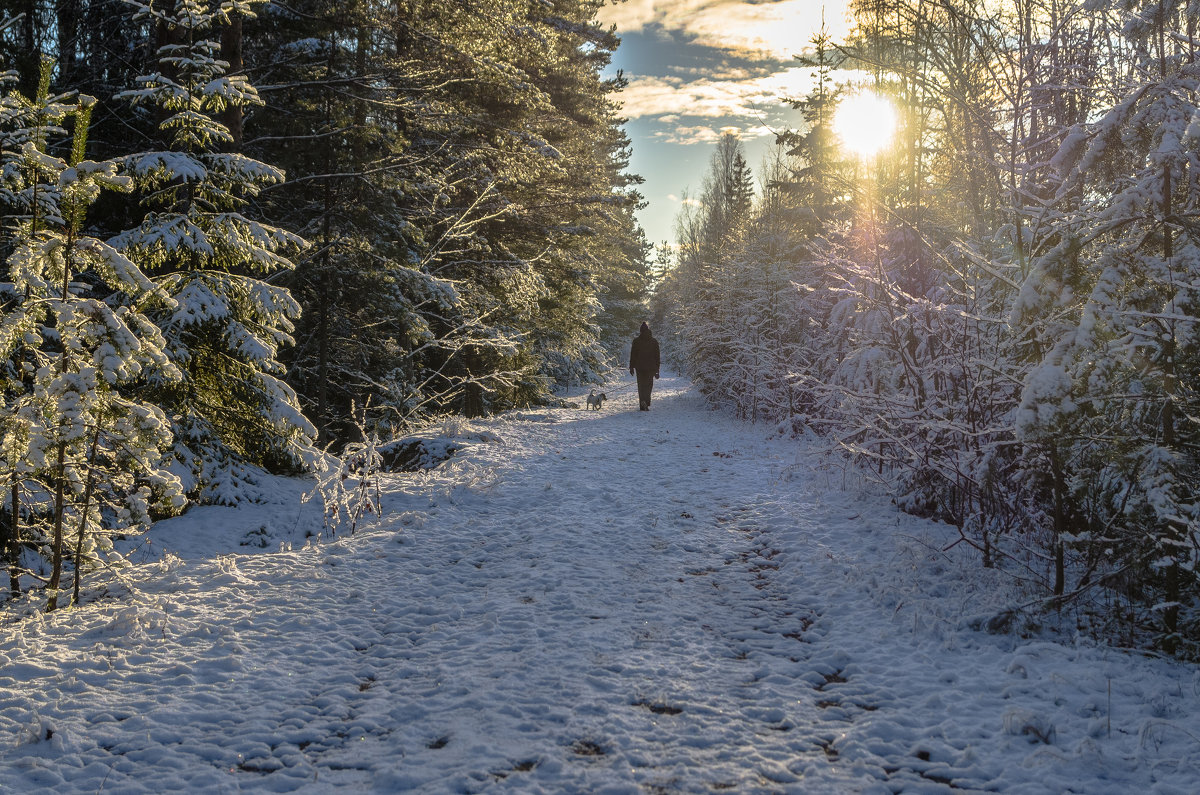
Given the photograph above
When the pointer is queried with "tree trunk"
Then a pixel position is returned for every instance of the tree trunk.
(1060, 521)
(231, 52)
(56, 543)
(64, 365)
(68, 16)
(324, 278)
(1174, 575)
(30, 57)
(12, 548)
(83, 516)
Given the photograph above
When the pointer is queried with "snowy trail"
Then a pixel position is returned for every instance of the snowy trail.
(611, 601)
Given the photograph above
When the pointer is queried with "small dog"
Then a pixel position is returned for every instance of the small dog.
(594, 400)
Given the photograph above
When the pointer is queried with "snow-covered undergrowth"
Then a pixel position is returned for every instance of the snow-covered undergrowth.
(578, 601)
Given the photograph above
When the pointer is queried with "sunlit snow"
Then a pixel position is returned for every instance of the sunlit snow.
(580, 601)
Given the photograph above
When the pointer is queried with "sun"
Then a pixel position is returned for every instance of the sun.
(865, 122)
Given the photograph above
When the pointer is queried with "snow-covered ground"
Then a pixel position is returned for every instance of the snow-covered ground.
(579, 601)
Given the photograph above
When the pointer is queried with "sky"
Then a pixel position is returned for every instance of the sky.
(697, 68)
(575, 602)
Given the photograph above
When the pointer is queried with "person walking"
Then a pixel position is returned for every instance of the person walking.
(644, 363)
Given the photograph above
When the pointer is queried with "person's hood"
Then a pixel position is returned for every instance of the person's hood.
(645, 330)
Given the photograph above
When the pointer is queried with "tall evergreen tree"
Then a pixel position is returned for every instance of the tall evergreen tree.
(474, 235)
(712, 313)
(229, 322)
(84, 457)
(358, 195)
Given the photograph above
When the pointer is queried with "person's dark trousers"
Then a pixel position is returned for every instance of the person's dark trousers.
(645, 384)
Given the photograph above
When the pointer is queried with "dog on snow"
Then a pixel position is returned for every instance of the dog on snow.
(594, 400)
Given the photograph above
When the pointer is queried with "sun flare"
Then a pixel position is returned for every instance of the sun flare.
(865, 123)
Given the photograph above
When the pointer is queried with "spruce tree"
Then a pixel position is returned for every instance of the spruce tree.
(712, 312)
(86, 459)
(231, 407)
(467, 199)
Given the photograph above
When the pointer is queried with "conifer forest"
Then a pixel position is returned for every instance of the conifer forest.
(243, 236)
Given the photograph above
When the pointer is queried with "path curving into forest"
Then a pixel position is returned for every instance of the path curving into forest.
(580, 601)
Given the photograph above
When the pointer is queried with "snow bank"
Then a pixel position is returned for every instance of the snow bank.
(613, 601)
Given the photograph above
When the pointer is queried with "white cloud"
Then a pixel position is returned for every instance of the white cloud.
(670, 98)
(682, 134)
(703, 134)
(780, 29)
(661, 96)
(758, 131)
(630, 16)
(776, 28)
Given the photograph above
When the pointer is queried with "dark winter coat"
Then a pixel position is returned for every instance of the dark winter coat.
(643, 356)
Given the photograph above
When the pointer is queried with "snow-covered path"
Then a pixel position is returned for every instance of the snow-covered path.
(611, 601)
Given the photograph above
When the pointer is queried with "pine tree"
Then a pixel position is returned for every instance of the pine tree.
(231, 407)
(465, 196)
(710, 240)
(818, 180)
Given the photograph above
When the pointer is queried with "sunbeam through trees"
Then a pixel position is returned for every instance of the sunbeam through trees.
(998, 311)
